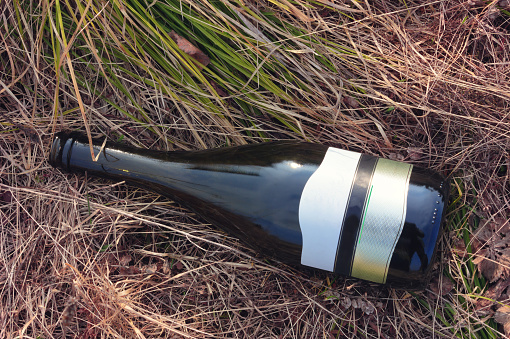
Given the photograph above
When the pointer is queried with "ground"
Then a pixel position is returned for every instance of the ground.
(422, 82)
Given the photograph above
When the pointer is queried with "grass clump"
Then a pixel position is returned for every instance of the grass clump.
(424, 82)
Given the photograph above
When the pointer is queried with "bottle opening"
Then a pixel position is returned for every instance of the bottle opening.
(57, 150)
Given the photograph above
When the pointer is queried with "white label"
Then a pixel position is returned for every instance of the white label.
(322, 207)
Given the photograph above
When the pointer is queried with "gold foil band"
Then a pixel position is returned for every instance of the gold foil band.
(382, 221)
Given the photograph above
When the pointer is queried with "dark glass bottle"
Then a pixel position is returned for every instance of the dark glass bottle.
(301, 203)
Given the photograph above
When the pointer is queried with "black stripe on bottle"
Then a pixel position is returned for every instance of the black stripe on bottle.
(353, 215)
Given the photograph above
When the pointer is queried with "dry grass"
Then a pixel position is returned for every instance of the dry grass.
(425, 82)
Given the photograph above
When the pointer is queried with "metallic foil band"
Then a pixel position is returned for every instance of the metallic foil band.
(383, 220)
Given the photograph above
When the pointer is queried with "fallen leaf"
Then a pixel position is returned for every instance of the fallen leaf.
(502, 225)
(483, 233)
(125, 259)
(346, 302)
(504, 260)
(493, 14)
(459, 247)
(188, 48)
(441, 286)
(355, 303)
(480, 257)
(502, 316)
(490, 296)
(69, 312)
(367, 307)
(396, 156)
(490, 269)
(415, 153)
(150, 269)
(501, 244)
(473, 3)
(350, 101)
(6, 196)
(111, 259)
(476, 246)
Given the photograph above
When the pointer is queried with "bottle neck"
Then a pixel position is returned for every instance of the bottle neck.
(71, 152)
(222, 176)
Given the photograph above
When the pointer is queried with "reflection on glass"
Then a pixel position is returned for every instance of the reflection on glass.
(295, 165)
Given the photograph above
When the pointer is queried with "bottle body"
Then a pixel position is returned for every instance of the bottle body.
(301, 203)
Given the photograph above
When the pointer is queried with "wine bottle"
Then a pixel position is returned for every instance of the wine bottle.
(302, 203)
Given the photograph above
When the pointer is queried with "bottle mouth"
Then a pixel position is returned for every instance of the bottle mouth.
(57, 150)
